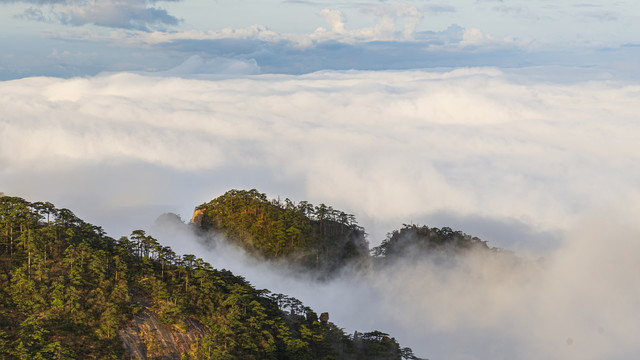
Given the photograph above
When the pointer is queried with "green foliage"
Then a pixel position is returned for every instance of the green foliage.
(419, 240)
(57, 296)
(67, 290)
(313, 236)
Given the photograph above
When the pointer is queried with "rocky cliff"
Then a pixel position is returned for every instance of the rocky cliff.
(147, 338)
(197, 217)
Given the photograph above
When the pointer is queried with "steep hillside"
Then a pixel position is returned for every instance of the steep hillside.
(68, 291)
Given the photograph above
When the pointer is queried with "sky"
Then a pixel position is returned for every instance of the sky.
(513, 121)
(66, 38)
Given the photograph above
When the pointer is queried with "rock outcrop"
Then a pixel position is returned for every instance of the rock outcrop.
(147, 338)
(197, 217)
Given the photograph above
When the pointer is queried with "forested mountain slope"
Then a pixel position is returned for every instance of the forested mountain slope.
(68, 291)
(316, 237)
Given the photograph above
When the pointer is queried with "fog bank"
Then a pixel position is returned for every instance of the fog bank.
(579, 302)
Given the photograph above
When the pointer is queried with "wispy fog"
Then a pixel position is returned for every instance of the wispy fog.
(579, 302)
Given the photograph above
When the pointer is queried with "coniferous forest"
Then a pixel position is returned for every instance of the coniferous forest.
(69, 291)
(313, 237)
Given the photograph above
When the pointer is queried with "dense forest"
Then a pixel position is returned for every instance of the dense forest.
(317, 237)
(320, 238)
(412, 240)
(68, 291)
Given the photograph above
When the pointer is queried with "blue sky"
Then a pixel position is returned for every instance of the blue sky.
(77, 38)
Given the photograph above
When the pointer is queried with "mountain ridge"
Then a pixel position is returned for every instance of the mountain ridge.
(69, 291)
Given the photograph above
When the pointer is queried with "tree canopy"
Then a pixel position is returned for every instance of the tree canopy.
(68, 291)
(312, 236)
(420, 240)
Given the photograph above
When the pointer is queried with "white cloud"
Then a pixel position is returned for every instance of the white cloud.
(388, 146)
(396, 22)
(475, 37)
(391, 147)
(383, 46)
(391, 40)
(335, 19)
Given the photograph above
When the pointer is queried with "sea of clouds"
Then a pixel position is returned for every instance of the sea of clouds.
(580, 301)
(475, 146)
(539, 161)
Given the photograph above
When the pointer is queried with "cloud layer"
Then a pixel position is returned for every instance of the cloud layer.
(387, 146)
(512, 157)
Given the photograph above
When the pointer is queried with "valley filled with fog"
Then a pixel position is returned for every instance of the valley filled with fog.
(577, 302)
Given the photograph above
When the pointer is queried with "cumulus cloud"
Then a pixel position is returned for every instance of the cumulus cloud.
(334, 18)
(273, 52)
(394, 22)
(130, 14)
(388, 17)
(392, 43)
(389, 147)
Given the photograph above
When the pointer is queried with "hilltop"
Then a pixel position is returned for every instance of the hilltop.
(313, 237)
(319, 238)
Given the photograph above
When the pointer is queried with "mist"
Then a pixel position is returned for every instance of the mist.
(579, 302)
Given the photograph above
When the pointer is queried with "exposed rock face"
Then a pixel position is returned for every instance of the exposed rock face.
(147, 338)
(197, 217)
